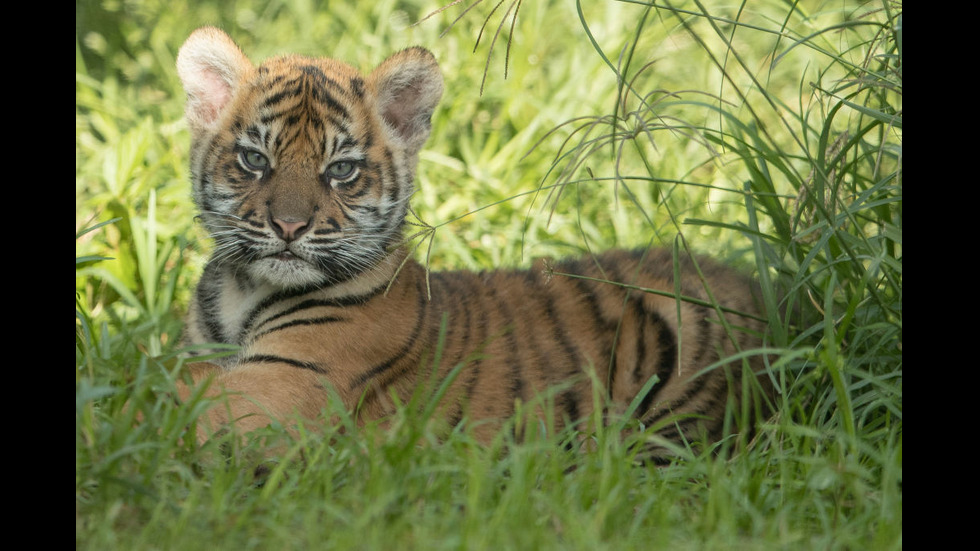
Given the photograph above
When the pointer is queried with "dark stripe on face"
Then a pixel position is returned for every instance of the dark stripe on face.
(205, 204)
(320, 77)
(295, 89)
(357, 87)
(390, 170)
(256, 134)
(317, 82)
(342, 141)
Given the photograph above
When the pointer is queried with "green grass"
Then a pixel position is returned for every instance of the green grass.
(768, 134)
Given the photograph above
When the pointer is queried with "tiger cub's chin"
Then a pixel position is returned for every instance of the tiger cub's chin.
(311, 156)
(286, 271)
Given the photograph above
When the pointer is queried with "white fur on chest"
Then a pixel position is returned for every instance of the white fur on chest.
(237, 303)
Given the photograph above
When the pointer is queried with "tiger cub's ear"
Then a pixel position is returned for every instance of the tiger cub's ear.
(407, 88)
(211, 66)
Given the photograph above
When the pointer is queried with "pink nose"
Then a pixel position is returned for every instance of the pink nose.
(289, 230)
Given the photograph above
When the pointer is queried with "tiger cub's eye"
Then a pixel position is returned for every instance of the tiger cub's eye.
(341, 170)
(253, 160)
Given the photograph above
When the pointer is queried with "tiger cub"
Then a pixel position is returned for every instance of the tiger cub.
(302, 170)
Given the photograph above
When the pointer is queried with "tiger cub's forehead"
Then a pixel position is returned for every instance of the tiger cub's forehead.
(321, 72)
(301, 101)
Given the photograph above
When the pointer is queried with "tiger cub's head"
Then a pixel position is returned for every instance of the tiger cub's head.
(303, 167)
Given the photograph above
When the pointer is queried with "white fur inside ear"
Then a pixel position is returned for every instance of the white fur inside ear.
(408, 87)
(210, 66)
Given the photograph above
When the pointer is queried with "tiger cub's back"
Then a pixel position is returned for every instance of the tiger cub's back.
(613, 319)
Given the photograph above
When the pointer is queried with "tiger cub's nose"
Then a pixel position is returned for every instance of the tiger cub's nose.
(289, 230)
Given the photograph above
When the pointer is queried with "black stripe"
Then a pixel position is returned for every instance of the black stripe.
(686, 426)
(294, 89)
(573, 356)
(398, 356)
(517, 383)
(667, 348)
(482, 337)
(559, 332)
(357, 87)
(204, 193)
(607, 328)
(268, 303)
(568, 402)
(209, 307)
(457, 416)
(297, 323)
(641, 351)
(706, 341)
(316, 81)
(266, 359)
(321, 78)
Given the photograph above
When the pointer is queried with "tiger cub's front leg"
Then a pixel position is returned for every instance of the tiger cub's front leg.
(251, 397)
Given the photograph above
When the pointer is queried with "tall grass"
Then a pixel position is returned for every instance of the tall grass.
(765, 133)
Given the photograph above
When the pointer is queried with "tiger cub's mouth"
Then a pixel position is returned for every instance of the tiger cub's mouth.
(289, 260)
(285, 256)
(286, 259)
(287, 269)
